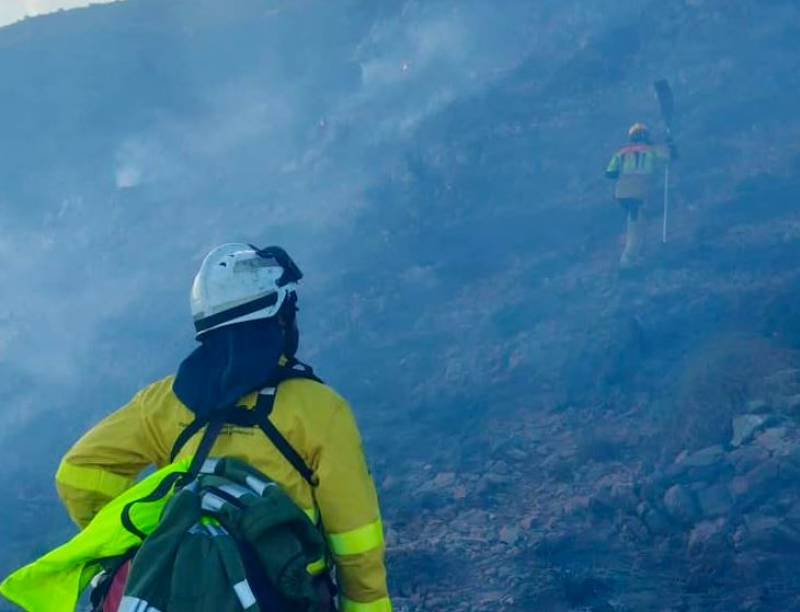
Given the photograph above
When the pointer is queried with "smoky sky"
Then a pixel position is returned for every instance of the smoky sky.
(130, 157)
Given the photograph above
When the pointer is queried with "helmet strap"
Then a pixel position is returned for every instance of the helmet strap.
(288, 318)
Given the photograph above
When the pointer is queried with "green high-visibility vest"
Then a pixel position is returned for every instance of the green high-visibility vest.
(55, 582)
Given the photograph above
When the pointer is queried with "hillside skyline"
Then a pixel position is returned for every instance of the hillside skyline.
(12, 11)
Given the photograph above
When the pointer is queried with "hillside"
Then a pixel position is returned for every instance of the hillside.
(546, 434)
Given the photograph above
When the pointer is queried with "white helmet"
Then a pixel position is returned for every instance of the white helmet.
(239, 282)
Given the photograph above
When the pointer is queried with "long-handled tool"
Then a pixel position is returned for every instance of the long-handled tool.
(667, 103)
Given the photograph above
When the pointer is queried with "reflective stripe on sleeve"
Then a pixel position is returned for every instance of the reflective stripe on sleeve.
(357, 541)
(379, 605)
(92, 479)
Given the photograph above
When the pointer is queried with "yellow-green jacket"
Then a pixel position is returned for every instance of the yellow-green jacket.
(316, 421)
(634, 167)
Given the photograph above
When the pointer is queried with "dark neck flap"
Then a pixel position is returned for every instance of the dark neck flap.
(231, 362)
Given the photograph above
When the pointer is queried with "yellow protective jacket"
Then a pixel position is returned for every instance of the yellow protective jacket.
(316, 421)
(634, 167)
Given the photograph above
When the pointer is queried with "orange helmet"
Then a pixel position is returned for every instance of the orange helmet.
(639, 132)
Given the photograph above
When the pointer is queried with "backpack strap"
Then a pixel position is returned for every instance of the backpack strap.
(266, 400)
(293, 369)
(206, 444)
(176, 479)
(187, 434)
(235, 416)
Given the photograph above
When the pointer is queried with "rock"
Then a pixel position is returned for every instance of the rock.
(768, 533)
(516, 454)
(553, 542)
(576, 505)
(775, 440)
(744, 426)
(500, 467)
(614, 495)
(634, 529)
(558, 468)
(680, 504)
(708, 538)
(496, 479)
(708, 456)
(656, 521)
(747, 457)
(714, 501)
(757, 406)
(459, 492)
(757, 484)
(509, 535)
(788, 466)
(444, 479)
(490, 482)
(526, 522)
(388, 483)
(508, 450)
(704, 465)
(467, 521)
(652, 488)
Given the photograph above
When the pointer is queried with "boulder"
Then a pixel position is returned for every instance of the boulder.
(496, 479)
(757, 406)
(745, 426)
(714, 501)
(500, 467)
(747, 457)
(768, 534)
(705, 457)
(490, 482)
(656, 521)
(388, 483)
(444, 479)
(757, 484)
(708, 538)
(516, 454)
(705, 465)
(775, 440)
(680, 504)
(615, 494)
(509, 535)
(527, 522)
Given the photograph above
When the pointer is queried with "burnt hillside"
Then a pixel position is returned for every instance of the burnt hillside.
(546, 434)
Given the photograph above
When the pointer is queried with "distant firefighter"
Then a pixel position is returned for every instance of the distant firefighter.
(635, 167)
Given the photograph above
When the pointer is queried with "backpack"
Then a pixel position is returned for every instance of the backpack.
(229, 539)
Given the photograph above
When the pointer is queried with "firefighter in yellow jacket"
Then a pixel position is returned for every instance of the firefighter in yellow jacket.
(244, 302)
(634, 168)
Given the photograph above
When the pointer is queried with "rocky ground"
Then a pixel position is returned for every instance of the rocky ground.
(552, 518)
(664, 483)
